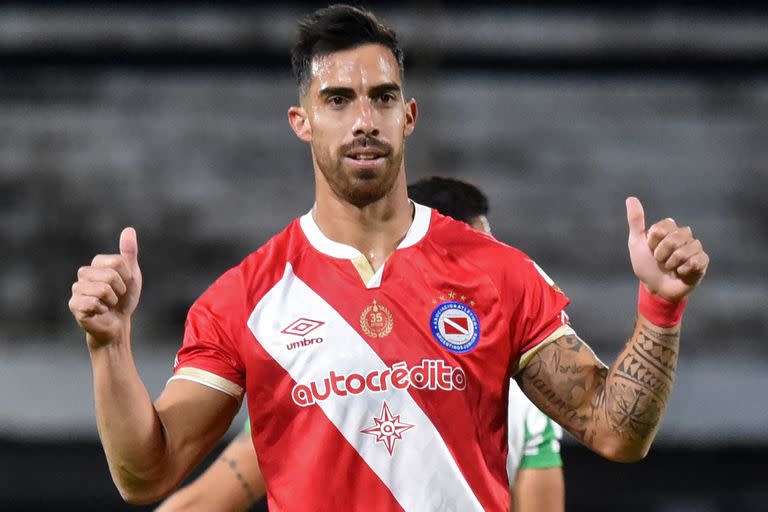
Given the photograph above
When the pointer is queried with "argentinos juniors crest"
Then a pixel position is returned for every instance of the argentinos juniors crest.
(455, 326)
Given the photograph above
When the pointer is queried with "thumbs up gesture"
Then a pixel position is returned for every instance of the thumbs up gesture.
(666, 258)
(106, 293)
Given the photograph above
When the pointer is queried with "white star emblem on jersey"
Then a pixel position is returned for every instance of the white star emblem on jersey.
(387, 428)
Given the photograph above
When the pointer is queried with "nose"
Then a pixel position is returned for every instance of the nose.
(365, 124)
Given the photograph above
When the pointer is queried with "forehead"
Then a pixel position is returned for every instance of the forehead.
(362, 66)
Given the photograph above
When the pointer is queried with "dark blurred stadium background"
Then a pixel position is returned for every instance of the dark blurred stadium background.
(171, 117)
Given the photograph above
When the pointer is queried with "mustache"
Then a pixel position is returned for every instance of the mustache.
(366, 141)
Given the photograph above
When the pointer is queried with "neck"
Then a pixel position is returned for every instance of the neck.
(375, 229)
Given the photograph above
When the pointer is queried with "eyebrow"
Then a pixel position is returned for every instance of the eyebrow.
(327, 92)
(384, 88)
(348, 92)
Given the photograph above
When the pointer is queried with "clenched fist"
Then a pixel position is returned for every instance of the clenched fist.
(666, 258)
(106, 292)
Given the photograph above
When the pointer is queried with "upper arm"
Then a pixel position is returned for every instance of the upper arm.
(206, 389)
(566, 381)
(194, 418)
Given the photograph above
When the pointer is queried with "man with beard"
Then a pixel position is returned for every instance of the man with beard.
(373, 336)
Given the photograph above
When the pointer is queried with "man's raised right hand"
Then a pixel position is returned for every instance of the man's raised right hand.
(106, 293)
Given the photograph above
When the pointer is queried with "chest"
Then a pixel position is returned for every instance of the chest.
(444, 326)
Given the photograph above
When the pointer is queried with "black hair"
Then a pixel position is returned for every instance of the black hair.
(450, 196)
(335, 28)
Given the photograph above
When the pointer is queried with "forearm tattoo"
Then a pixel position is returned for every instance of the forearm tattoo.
(640, 381)
(574, 388)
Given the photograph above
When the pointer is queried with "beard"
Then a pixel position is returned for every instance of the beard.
(360, 187)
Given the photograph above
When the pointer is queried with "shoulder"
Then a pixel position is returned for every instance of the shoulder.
(270, 259)
(258, 271)
(459, 241)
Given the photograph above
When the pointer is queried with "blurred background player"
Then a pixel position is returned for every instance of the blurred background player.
(233, 483)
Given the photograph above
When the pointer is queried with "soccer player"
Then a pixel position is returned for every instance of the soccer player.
(533, 462)
(374, 337)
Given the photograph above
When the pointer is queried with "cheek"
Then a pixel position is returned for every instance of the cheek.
(323, 143)
(328, 127)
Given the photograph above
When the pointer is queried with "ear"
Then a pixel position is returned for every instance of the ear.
(297, 118)
(411, 114)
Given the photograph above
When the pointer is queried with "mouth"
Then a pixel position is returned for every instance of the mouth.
(366, 153)
(366, 158)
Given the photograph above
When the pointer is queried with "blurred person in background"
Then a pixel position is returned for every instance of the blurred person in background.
(356, 332)
(233, 482)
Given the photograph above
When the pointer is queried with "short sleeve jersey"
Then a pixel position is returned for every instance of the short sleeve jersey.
(382, 390)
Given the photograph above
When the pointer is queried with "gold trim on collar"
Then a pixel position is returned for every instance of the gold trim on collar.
(364, 269)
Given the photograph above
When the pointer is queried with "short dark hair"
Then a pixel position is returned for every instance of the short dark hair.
(450, 196)
(335, 28)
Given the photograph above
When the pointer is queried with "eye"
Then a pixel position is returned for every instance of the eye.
(387, 97)
(337, 101)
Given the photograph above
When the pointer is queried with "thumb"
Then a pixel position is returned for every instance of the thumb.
(129, 247)
(635, 219)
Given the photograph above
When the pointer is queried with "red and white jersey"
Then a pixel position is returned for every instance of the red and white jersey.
(380, 390)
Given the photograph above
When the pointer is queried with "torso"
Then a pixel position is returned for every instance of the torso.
(386, 390)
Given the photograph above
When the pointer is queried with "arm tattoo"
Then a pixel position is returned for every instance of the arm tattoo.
(232, 464)
(641, 380)
(569, 383)
(562, 375)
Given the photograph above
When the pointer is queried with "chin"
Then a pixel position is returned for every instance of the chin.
(362, 187)
(365, 175)
(364, 194)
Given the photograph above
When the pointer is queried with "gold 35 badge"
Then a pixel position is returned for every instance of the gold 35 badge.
(376, 321)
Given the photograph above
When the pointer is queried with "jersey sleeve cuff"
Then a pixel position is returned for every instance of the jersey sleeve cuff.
(211, 380)
(561, 331)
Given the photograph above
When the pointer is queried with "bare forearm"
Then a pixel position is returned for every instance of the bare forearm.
(129, 427)
(150, 447)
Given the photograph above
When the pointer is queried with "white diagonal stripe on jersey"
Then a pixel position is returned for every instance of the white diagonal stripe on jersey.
(426, 476)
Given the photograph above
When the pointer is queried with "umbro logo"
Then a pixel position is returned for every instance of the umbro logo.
(302, 327)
